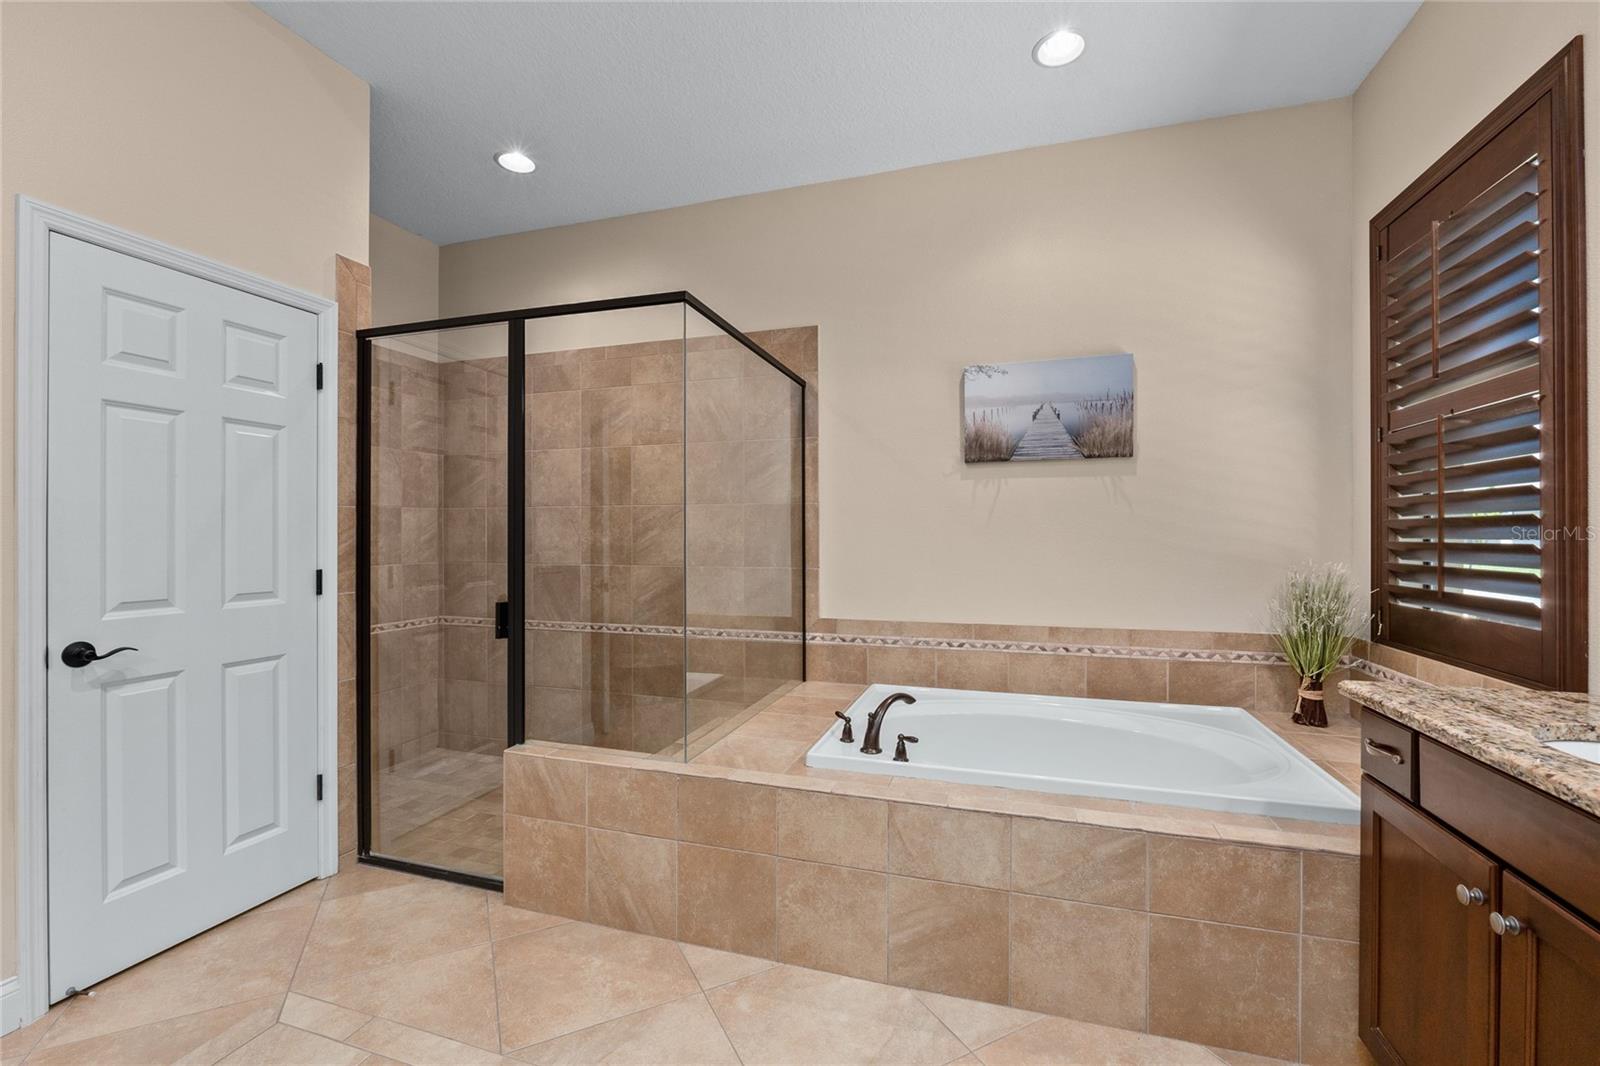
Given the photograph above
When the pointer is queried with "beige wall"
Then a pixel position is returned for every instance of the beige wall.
(405, 275)
(1451, 66)
(1217, 252)
(208, 126)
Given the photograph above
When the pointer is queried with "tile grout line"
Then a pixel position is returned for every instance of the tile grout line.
(1149, 895)
(494, 969)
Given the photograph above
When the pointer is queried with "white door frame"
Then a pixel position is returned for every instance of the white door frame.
(36, 221)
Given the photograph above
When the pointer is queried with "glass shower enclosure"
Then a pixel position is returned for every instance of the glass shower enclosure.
(579, 524)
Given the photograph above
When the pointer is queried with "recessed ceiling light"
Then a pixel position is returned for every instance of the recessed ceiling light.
(1058, 49)
(515, 161)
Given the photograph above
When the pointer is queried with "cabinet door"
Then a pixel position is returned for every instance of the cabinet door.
(1427, 958)
(1549, 980)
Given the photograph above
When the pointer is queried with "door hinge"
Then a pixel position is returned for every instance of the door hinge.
(319, 788)
(319, 582)
(1380, 434)
(319, 377)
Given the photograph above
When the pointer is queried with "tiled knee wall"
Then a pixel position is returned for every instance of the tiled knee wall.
(1231, 945)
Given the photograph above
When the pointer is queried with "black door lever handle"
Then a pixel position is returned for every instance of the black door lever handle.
(82, 653)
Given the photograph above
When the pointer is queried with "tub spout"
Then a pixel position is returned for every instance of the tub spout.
(869, 743)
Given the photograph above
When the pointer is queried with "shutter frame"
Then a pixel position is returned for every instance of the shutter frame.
(1555, 654)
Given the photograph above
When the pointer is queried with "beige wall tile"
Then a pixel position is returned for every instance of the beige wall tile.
(540, 787)
(836, 662)
(1087, 863)
(1402, 661)
(658, 475)
(715, 473)
(1332, 896)
(633, 801)
(832, 918)
(1275, 691)
(1078, 961)
(633, 882)
(728, 814)
(1437, 673)
(1233, 883)
(1080, 635)
(901, 666)
(554, 420)
(658, 413)
(1225, 986)
(1126, 679)
(943, 844)
(657, 593)
(545, 866)
(1329, 1000)
(983, 671)
(950, 939)
(843, 830)
(1212, 684)
(1047, 675)
(727, 900)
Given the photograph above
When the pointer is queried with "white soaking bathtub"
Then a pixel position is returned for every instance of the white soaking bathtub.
(1216, 758)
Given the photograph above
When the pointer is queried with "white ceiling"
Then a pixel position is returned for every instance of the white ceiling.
(636, 106)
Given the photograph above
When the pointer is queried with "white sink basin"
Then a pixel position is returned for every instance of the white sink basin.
(1587, 750)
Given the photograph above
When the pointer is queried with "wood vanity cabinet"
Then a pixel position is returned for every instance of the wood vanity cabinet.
(1474, 949)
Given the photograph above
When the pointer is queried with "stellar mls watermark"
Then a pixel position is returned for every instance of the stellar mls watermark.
(1541, 533)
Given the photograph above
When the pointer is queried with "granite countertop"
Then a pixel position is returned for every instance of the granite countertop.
(1503, 727)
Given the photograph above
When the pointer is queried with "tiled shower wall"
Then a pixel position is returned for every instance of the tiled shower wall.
(472, 550)
(659, 481)
(608, 494)
(353, 290)
(405, 554)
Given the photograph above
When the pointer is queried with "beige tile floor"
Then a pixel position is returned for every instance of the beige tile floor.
(375, 967)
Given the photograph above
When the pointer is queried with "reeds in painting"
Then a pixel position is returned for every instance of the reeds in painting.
(991, 435)
(1108, 432)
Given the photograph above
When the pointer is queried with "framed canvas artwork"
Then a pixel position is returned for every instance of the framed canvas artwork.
(1077, 408)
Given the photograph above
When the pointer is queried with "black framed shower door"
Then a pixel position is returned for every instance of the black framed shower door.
(515, 605)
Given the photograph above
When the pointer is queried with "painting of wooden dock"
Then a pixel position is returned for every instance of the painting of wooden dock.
(1079, 408)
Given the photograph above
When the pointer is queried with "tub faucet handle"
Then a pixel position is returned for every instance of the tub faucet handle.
(846, 737)
(900, 747)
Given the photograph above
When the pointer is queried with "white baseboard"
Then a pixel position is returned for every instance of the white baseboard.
(10, 1004)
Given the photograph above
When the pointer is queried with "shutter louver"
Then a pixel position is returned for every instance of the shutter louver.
(1463, 370)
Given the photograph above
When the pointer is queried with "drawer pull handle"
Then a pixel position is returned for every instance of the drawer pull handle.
(1504, 924)
(1469, 897)
(1385, 750)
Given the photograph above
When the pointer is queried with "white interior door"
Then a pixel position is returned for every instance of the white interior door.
(182, 523)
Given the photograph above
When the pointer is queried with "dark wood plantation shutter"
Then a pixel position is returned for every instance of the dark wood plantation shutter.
(1478, 397)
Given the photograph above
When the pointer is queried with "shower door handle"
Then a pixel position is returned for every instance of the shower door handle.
(502, 620)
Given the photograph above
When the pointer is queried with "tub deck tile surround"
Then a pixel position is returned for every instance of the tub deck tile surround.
(1107, 912)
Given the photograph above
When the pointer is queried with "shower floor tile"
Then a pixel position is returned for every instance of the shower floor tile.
(398, 968)
(442, 808)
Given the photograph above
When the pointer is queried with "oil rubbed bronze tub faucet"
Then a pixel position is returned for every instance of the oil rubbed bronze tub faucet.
(869, 743)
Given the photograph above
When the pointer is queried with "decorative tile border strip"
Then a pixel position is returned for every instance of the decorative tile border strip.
(409, 623)
(1110, 651)
(1107, 651)
(1383, 673)
(614, 628)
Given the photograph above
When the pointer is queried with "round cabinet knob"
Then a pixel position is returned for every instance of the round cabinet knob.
(1469, 897)
(1504, 924)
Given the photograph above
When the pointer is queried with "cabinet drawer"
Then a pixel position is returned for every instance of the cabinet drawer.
(1389, 754)
(1556, 845)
